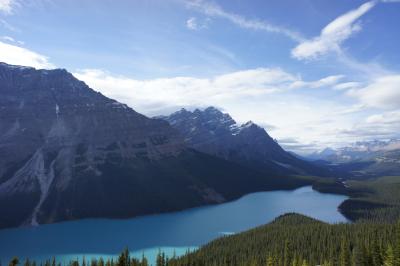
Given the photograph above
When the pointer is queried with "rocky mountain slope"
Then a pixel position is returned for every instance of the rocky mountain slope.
(68, 152)
(216, 133)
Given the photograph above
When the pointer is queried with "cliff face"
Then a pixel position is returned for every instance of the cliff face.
(55, 130)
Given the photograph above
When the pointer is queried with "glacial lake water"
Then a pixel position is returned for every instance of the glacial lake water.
(171, 232)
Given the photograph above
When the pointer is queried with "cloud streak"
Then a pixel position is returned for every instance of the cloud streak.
(214, 10)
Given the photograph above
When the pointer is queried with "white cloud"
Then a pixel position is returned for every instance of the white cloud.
(385, 118)
(157, 95)
(324, 82)
(382, 92)
(191, 23)
(6, 6)
(333, 35)
(352, 109)
(213, 10)
(16, 55)
(186, 91)
(347, 85)
(196, 24)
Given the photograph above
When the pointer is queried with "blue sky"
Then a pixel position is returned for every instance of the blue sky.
(314, 73)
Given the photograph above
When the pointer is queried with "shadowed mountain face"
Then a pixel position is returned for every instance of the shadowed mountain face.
(216, 133)
(68, 152)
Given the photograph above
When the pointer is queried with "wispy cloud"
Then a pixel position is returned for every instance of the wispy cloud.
(324, 82)
(191, 23)
(195, 24)
(11, 40)
(333, 35)
(382, 92)
(6, 6)
(347, 85)
(214, 10)
(13, 54)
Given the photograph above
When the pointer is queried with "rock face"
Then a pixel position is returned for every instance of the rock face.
(68, 152)
(216, 133)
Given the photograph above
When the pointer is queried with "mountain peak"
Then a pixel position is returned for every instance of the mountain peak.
(249, 124)
(212, 109)
(216, 133)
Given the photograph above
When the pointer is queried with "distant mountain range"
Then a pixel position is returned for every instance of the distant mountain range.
(68, 152)
(216, 133)
(364, 158)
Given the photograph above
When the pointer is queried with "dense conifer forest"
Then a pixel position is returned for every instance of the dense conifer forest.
(373, 200)
(294, 239)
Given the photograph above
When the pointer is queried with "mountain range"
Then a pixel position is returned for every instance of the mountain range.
(216, 133)
(68, 152)
(366, 158)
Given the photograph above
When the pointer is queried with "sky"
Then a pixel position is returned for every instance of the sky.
(313, 73)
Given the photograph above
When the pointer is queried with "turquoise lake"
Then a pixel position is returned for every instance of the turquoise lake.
(171, 232)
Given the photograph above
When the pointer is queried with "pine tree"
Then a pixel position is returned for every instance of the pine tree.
(144, 261)
(397, 246)
(270, 261)
(294, 261)
(286, 254)
(27, 263)
(159, 261)
(14, 261)
(357, 258)
(124, 258)
(93, 262)
(304, 263)
(389, 257)
(344, 253)
(376, 253)
(327, 263)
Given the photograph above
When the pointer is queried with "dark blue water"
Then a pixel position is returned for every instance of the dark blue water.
(174, 231)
